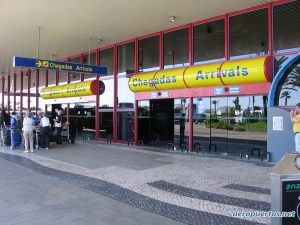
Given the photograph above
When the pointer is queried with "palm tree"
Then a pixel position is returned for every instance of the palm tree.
(286, 95)
(215, 102)
(292, 81)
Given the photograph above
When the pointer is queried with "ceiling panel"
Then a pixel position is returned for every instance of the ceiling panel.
(67, 25)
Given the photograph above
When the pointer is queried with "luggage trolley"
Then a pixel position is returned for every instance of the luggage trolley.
(65, 133)
(36, 136)
(16, 138)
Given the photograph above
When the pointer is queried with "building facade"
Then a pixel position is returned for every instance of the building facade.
(220, 116)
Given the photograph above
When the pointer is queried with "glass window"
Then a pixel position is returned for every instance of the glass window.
(286, 25)
(89, 76)
(144, 121)
(51, 78)
(63, 77)
(204, 37)
(107, 60)
(248, 33)
(287, 93)
(106, 109)
(181, 124)
(149, 54)
(176, 48)
(125, 110)
(126, 59)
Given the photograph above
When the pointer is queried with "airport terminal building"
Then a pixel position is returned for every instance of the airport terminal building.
(225, 83)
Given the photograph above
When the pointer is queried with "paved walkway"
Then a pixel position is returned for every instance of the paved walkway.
(113, 184)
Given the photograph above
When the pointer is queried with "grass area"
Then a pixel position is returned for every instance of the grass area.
(257, 126)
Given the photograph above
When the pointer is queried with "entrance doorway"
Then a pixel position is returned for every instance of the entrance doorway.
(162, 121)
(156, 121)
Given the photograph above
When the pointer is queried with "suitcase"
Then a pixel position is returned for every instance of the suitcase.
(7, 138)
(17, 139)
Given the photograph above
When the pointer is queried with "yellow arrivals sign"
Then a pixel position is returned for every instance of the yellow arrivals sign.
(244, 71)
(84, 88)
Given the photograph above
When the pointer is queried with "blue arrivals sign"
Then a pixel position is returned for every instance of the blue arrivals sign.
(55, 65)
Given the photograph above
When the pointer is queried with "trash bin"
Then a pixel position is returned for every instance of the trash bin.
(285, 189)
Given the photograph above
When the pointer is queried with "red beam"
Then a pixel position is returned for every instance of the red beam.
(81, 74)
(8, 92)
(56, 77)
(28, 87)
(161, 50)
(136, 127)
(37, 84)
(3, 87)
(270, 28)
(191, 124)
(115, 95)
(191, 61)
(97, 100)
(46, 85)
(226, 37)
(15, 88)
(21, 94)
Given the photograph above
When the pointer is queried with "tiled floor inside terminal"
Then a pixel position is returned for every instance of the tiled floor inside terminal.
(97, 183)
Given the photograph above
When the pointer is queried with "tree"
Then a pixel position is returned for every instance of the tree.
(292, 81)
(215, 102)
(286, 95)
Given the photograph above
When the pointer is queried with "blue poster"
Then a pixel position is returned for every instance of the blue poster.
(200, 107)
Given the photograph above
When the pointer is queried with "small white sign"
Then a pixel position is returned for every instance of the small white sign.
(165, 94)
(153, 94)
(278, 123)
(237, 112)
(219, 112)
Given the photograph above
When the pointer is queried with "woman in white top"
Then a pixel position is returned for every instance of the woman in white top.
(28, 131)
(46, 131)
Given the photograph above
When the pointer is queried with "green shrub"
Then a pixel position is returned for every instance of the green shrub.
(238, 128)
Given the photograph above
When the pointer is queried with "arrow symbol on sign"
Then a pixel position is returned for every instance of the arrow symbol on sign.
(38, 63)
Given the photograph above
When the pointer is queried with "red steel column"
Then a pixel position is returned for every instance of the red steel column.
(46, 85)
(8, 92)
(191, 61)
(37, 84)
(136, 129)
(28, 87)
(68, 105)
(21, 94)
(56, 77)
(161, 50)
(97, 99)
(270, 28)
(191, 50)
(81, 74)
(115, 95)
(136, 70)
(3, 91)
(15, 87)
(226, 37)
(191, 124)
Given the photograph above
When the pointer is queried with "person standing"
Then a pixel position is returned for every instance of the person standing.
(28, 131)
(46, 131)
(37, 118)
(295, 117)
(58, 127)
(13, 130)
